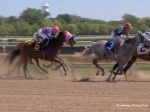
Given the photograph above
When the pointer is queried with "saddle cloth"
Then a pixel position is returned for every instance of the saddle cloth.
(141, 49)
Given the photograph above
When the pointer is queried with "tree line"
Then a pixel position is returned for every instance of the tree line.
(30, 20)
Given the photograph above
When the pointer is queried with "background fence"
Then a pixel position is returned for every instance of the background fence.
(7, 43)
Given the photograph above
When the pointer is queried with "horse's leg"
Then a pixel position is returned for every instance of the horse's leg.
(111, 71)
(129, 64)
(114, 68)
(26, 71)
(38, 64)
(49, 65)
(120, 68)
(99, 69)
(19, 65)
(127, 67)
(58, 61)
(115, 74)
(57, 66)
(31, 62)
(63, 63)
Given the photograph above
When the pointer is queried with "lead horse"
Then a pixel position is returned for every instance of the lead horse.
(142, 41)
(48, 53)
(144, 54)
(124, 53)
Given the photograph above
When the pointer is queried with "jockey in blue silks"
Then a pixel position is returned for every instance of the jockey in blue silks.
(117, 33)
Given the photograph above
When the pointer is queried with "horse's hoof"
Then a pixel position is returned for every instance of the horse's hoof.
(107, 80)
(65, 74)
(113, 80)
(103, 74)
(97, 74)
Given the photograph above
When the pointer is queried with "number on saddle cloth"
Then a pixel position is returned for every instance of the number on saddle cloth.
(39, 45)
(110, 46)
(36, 46)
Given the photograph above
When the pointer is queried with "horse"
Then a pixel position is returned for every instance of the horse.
(124, 53)
(142, 52)
(48, 53)
(142, 45)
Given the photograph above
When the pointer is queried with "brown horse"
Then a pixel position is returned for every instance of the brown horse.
(48, 53)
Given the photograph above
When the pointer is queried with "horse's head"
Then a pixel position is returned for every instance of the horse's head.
(66, 37)
(143, 38)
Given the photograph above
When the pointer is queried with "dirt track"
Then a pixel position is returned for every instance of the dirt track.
(59, 94)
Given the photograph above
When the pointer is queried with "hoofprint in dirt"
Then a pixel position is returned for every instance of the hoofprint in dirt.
(64, 94)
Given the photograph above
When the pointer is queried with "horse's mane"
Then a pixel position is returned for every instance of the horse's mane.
(129, 40)
(53, 43)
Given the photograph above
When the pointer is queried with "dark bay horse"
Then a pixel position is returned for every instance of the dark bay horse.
(124, 53)
(48, 53)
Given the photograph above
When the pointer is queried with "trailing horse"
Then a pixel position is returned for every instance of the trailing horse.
(48, 53)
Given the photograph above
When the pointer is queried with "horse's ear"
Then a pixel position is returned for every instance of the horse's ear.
(139, 32)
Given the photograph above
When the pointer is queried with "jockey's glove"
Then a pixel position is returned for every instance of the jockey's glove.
(122, 42)
(52, 37)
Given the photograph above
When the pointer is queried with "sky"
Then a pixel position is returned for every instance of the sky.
(106, 10)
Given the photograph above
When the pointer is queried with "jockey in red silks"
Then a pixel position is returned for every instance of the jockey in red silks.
(117, 33)
(44, 34)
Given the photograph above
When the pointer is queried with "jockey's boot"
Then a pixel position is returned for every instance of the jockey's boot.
(36, 46)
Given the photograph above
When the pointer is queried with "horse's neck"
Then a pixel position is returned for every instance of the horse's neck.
(58, 44)
(133, 42)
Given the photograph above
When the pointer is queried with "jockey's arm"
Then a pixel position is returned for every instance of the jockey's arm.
(51, 36)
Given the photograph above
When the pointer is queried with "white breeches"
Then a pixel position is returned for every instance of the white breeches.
(39, 36)
(117, 38)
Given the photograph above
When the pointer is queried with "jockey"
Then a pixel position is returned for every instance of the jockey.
(118, 33)
(44, 34)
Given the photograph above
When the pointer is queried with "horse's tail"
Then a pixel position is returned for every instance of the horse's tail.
(87, 52)
(13, 54)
